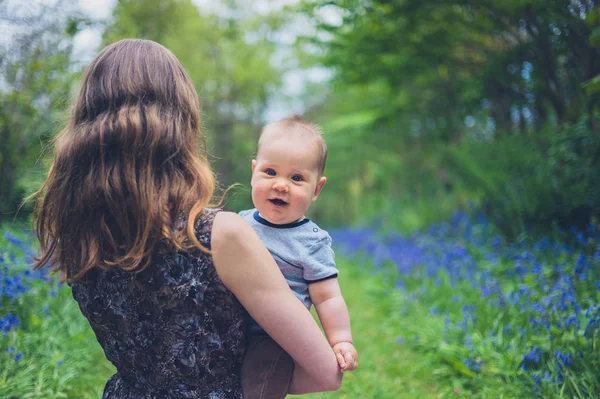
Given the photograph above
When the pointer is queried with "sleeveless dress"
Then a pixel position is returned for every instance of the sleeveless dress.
(172, 330)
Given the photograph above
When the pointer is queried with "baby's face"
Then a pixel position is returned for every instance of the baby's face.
(285, 179)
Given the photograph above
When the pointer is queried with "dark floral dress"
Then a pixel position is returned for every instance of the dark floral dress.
(172, 330)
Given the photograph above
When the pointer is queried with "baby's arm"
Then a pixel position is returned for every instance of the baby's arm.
(333, 313)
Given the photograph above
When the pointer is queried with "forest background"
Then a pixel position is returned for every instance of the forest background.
(425, 107)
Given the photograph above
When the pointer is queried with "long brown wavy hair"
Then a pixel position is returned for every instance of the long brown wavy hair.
(127, 165)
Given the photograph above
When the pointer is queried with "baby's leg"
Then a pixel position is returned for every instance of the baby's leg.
(267, 369)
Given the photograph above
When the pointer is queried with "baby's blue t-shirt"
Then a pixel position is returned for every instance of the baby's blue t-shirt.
(302, 251)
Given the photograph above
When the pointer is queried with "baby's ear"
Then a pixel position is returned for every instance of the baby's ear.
(253, 165)
(319, 187)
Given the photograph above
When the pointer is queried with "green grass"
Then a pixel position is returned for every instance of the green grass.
(387, 369)
(61, 356)
(420, 364)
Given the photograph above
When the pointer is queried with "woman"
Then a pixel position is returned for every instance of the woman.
(163, 279)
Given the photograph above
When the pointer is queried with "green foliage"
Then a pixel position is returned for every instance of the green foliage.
(530, 181)
(592, 86)
(61, 357)
(433, 105)
(449, 57)
(51, 352)
(36, 81)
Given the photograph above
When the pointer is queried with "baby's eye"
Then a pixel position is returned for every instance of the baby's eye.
(297, 178)
(270, 172)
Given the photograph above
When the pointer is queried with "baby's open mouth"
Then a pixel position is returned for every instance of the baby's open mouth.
(278, 201)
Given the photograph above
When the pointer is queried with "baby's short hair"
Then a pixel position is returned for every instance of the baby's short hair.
(296, 123)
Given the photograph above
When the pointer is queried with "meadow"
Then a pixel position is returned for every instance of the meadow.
(445, 312)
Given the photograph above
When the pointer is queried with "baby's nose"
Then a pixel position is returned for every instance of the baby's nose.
(280, 186)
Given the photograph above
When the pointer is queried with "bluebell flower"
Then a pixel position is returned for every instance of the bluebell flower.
(12, 239)
(469, 342)
(580, 263)
(546, 375)
(473, 364)
(534, 355)
(591, 327)
(537, 308)
(558, 378)
(563, 358)
(8, 322)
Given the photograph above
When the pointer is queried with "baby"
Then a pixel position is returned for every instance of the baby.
(287, 176)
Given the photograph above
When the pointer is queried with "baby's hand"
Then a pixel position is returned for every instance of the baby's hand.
(346, 355)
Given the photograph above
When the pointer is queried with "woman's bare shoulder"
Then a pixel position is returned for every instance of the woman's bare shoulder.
(227, 227)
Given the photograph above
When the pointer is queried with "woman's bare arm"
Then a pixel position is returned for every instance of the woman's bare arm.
(249, 271)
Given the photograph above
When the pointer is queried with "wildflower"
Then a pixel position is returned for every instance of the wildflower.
(563, 359)
(591, 327)
(469, 342)
(537, 308)
(8, 322)
(546, 375)
(473, 364)
(580, 264)
(534, 355)
(17, 242)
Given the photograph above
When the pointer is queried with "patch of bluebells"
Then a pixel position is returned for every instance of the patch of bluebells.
(16, 280)
(15, 274)
(548, 289)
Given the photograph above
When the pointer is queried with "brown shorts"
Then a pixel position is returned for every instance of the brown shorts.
(267, 369)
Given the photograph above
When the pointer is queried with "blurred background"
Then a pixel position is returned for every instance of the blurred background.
(425, 107)
(470, 123)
